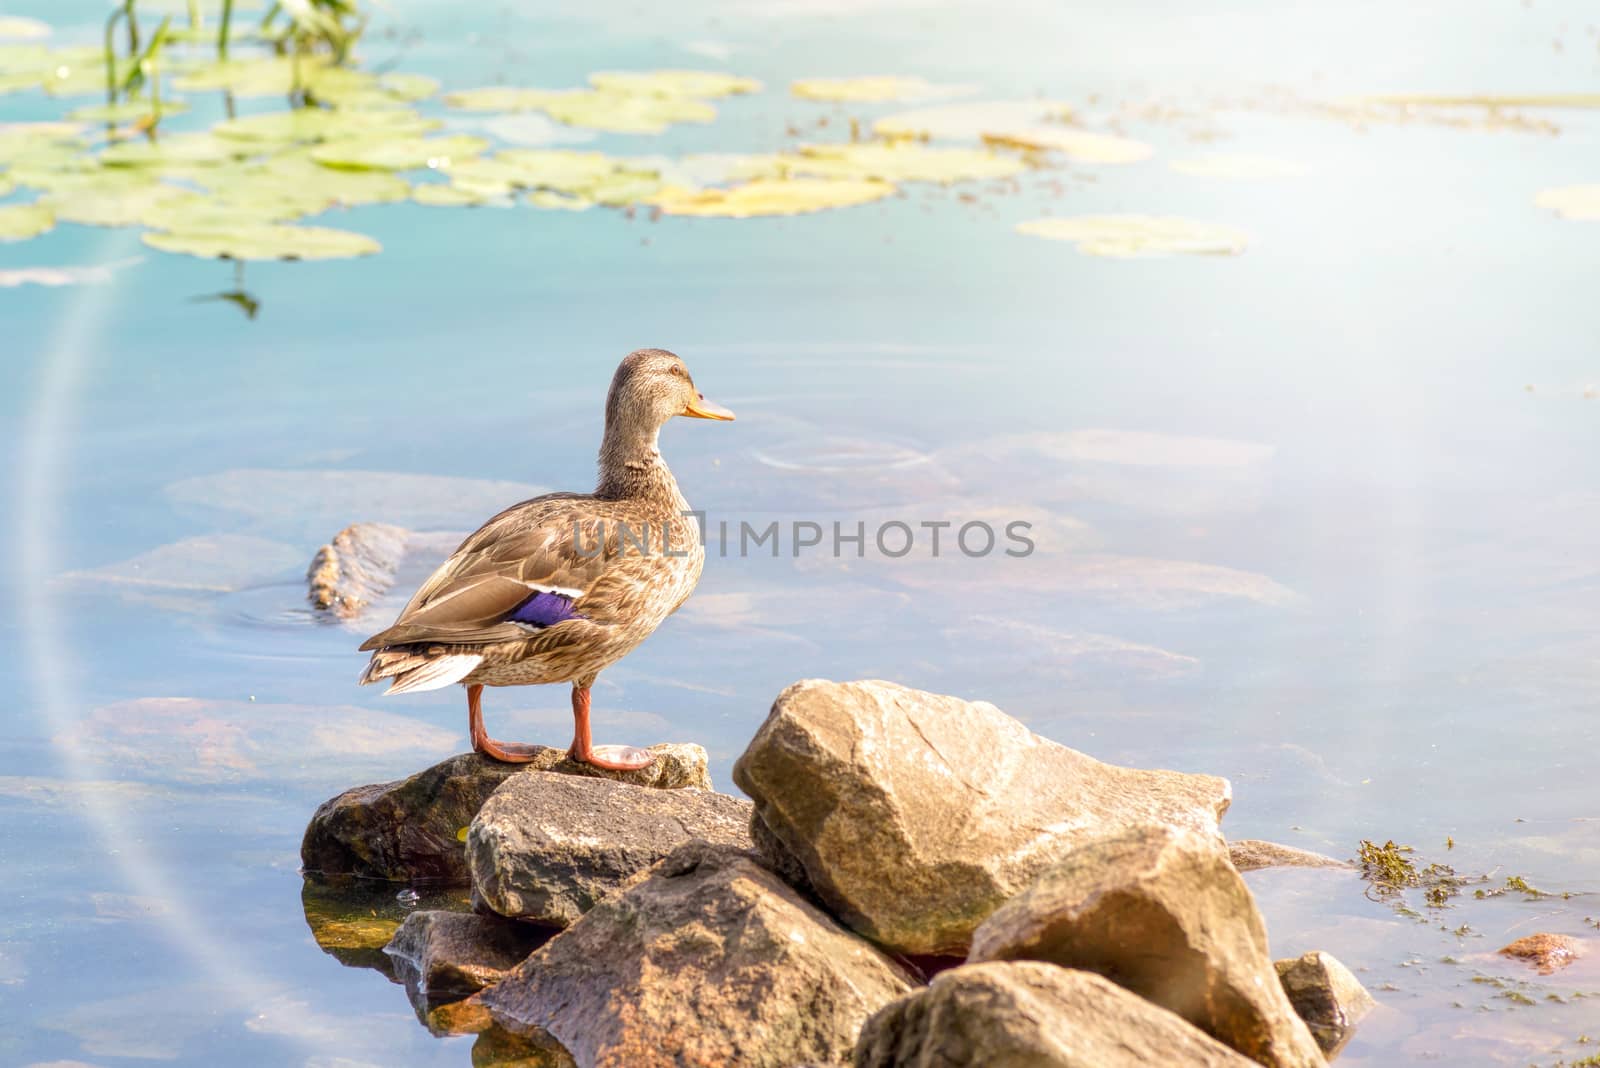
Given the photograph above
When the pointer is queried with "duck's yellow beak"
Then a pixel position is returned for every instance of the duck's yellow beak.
(700, 408)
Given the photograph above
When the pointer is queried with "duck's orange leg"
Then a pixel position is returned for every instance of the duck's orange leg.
(610, 757)
(508, 752)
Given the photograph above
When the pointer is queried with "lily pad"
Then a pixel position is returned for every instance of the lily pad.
(19, 140)
(1571, 201)
(445, 195)
(18, 80)
(265, 76)
(1239, 166)
(873, 89)
(322, 124)
(19, 222)
(902, 161)
(125, 110)
(544, 198)
(770, 196)
(1129, 236)
(80, 72)
(265, 242)
(411, 87)
(701, 84)
(7, 186)
(398, 153)
(972, 122)
(172, 150)
(15, 27)
(292, 178)
(90, 206)
(592, 108)
(188, 210)
(1081, 145)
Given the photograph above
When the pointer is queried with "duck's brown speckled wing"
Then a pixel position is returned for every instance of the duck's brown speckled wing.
(527, 548)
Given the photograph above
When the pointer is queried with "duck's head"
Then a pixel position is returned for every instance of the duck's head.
(650, 387)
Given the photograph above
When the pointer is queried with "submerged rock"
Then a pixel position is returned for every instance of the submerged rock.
(1252, 854)
(356, 568)
(545, 848)
(456, 954)
(1024, 1014)
(1328, 998)
(415, 828)
(914, 815)
(705, 959)
(1546, 952)
(1162, 912)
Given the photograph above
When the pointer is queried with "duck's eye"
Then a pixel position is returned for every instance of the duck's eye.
(679, 371)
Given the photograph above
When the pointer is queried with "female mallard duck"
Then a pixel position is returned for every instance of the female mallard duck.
(558, 588)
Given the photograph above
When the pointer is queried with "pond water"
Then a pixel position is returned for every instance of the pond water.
(1320, 517)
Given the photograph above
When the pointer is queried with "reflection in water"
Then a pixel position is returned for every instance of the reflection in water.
(237, 296)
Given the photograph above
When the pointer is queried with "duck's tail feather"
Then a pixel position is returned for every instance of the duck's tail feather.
(414, 671)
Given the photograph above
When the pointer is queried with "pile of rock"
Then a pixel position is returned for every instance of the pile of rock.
(1070, 912)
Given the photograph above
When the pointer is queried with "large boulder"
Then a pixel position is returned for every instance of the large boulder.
(1162, 912)
(1328, 998)
(451, 955)
(914, 816)
(705, 959)
(1028, 1015)
(414, 829)
(545, 848)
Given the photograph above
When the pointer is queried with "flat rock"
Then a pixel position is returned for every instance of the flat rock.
(356, 568)
(546, 848)
(415, 828)
(1162, 912)
(1546, 952)
(1328, 998)
(705, 959)
(452, 955)
(914, 816)
(1252, 854)
(1023, 1014)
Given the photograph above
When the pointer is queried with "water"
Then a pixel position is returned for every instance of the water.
(1374, 611)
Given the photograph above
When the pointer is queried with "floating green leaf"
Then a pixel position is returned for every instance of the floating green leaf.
(197, 211)
(7, 186)
(17, 27)
(702, 84)
(770, 196)
(264, 242)
(22, 140)
(293, 180)
(1128, 236)
(1221, 165)
(172, 150)
(445, 195)
(83, 175)
(398, 153)
(901, 161)
(109, 206)
(125, 110)
(1571, 201)
(305, 125)
(19, 222)
(593, 108)
(873, 88)
(545, 198)
(266, 76)
(975, 121)
(410, 87)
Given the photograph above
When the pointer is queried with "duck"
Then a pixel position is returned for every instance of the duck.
(558, 588)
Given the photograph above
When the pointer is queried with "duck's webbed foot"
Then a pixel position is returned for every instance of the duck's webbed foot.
(610, 757)
(506, 752)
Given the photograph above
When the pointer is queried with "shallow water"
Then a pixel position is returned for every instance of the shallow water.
(1320, 518)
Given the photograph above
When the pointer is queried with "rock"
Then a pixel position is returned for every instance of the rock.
(353, 919)
(1251, 854)
(356, 568)
(452, 955)
(914, 815)
(1027, 1015)
(705, 959)
(1162, 912)
(1547, 952)
(415, 828)
(545, 848)
(496, 1047)
(1328, 998)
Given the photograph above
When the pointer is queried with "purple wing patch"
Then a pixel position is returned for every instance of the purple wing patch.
(544, 609)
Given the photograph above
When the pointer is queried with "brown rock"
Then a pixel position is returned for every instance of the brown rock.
(1028, 1015)
(1328, 998)
(1162, 912)
(914, 815)
(545, 848)
(1546, 952)
(1251, 854)
(356, 568)
(705, 959)
(456, 954)
(414, 829)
